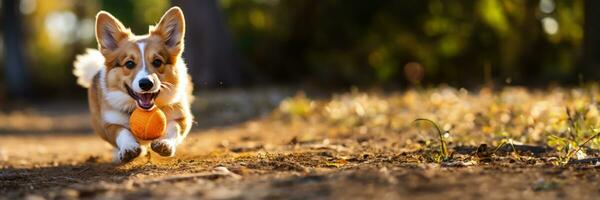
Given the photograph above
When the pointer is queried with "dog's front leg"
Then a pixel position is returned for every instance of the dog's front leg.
(167, 145)
(127, 147)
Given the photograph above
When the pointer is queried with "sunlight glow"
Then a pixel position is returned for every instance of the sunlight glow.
(547, 6)
(85, 31)
(60, 26)
(27, 6)
(550, 25)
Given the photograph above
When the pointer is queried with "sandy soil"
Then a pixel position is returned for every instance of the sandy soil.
(263, 160)
(355, 146)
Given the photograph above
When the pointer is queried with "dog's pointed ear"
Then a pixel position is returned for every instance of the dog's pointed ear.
(171, 29)
(109, 31)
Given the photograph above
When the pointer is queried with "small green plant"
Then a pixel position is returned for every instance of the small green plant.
(510, 142)
(570, 146)
(564, 146)
(443, 154)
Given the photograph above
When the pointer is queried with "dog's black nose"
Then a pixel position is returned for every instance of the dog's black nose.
(145, 84)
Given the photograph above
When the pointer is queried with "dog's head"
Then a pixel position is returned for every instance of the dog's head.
(144, 67)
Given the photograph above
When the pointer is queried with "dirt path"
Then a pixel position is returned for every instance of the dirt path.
(352, 146)
(268, 160)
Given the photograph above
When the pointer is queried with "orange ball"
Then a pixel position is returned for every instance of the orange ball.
(148, 124)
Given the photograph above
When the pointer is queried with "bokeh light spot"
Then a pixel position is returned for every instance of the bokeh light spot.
(27, 6)
(550, 25)
(60, 26)
(547, 6)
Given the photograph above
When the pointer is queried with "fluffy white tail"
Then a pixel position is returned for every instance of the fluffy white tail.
(87, 65)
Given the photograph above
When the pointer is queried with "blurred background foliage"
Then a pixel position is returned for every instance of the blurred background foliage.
(333, 43)
(391, 42)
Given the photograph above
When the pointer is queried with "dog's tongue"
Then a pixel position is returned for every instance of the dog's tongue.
(146, 100)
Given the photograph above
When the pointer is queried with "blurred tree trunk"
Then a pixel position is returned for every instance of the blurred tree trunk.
(15, 72)
(209, 49)
(591, 41)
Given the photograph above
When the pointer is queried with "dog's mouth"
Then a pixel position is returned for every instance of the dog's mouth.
(143, 100)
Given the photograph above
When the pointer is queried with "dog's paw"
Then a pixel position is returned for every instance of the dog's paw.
(163, 148)
(127, 155)
(128, 147)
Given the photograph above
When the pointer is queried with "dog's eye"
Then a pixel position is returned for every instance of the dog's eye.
(130, 64)
(157, 63)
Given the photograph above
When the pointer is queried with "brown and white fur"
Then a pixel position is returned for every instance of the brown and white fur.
(146, 71)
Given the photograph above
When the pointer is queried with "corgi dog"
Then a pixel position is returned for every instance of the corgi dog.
(144, 71)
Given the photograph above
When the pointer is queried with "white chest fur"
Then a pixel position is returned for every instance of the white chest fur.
(115, 117)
